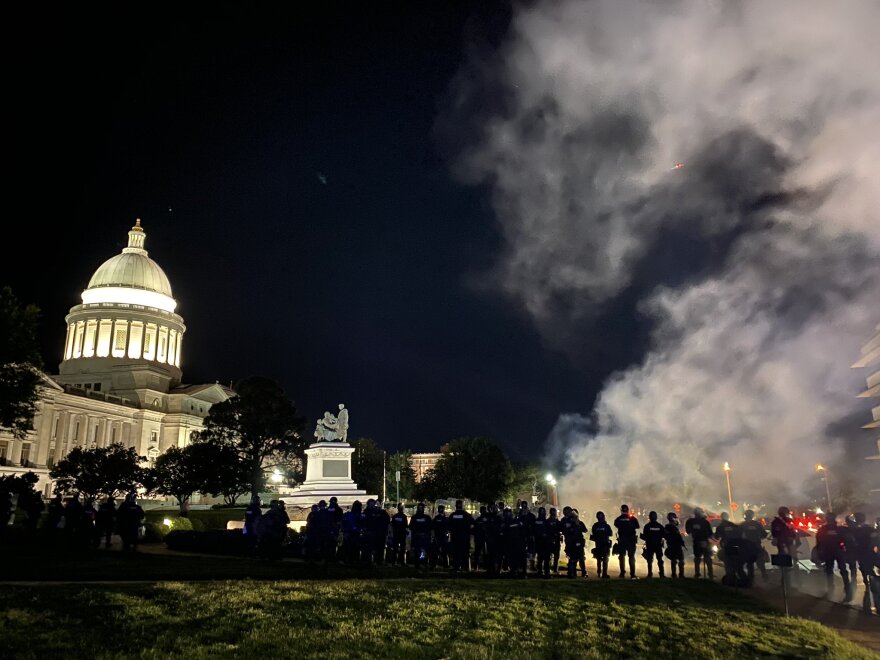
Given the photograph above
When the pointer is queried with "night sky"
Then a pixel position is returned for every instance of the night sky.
(294, 186)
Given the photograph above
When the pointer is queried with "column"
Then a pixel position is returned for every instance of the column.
(177, 356)
(172, 345)
(15, 452)
(90, 338)
(162, 350)
(105, 331)
(68, 342)
(78, 339)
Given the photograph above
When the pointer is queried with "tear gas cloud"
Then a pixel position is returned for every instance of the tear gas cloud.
(772, 108)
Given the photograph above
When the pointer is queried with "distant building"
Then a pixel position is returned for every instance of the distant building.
(421, 464)
(119, 380)
(870, 358)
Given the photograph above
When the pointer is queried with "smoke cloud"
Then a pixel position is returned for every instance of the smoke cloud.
(773, 226)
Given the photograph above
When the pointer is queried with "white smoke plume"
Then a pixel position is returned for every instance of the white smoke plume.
(774, 109)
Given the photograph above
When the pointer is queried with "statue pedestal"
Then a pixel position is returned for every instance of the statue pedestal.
(328, 474)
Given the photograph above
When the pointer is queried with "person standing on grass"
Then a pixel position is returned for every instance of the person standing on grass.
(440, 545)
(399, 525)
(700, 531)
(575, 545)
(105, 520)
(90, 536)
(601, 535)
(674, 545)
(480, 537)
(460, 527)
(652, 534)
(252, 515)
(494, 549)
(555, 527)
(527, 518)
(55, 512)
(420, 536)
(542, 531)
(627, 526)
(130, 517)
(352, 527)
(514, 544)
(336, 514)
(754, 532)
(33, 508)
(831, 547)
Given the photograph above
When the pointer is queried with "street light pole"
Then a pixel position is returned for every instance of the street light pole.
(729, 495)
(554, 493)
(824, 470)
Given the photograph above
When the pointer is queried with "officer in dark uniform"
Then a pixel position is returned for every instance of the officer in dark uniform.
(674, 545)
(514, 544)
(652, 534)
(754, 532)
(626, 540)
(865, 539)
(543, 547)
(480, 537)
(54, 512)
(420, 532)
(399, 524)
(494, 549)
(252, 515)
(785, 538)
(832, 548)
(602, 537)
(440, 545)
(527, 518)
(555, 526)
(575, 545)
(700, 530)
(335, 511)
(461, 524)
(725, 532)
(376, 521)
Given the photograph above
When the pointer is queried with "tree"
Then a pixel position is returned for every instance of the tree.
(367, 465)
(474, 468)
(260, 423)
(177, 473)
(101, 471)
(19, 484)
(400, 462)
(527, 481)
(220, 470)
(19, 364)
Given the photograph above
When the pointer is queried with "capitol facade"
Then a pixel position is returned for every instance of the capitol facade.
(119, 380)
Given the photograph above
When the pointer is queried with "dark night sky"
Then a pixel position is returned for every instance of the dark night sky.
(356, 291)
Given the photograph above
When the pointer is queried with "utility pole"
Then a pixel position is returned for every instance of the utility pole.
(397, 478)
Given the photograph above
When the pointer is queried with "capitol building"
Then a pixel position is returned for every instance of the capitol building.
(119, 380)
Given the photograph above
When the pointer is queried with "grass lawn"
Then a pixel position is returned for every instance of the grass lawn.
(403, 618)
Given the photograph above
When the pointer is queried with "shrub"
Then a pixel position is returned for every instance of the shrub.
(224, 542)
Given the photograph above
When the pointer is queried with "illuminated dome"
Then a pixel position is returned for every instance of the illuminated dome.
(127, 318)
(131, 277)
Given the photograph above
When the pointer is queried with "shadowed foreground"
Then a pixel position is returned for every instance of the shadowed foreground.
(404, 618)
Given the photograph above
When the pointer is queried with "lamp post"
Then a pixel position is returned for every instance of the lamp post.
(821, 468)
(729, 495)
(554, 494)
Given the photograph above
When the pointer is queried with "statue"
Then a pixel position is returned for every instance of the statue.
(332, 427)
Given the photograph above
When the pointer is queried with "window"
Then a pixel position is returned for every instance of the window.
(154, 437)
(97, 387)
(121, 336)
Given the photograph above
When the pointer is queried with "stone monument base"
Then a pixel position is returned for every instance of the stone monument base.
(328, 474)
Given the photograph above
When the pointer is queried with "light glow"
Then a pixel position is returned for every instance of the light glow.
(166, 522)
(128, 296)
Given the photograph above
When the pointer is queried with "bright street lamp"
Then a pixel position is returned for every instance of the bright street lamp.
(276, 476)
(824, 470)
(726, 469)
(554, 494)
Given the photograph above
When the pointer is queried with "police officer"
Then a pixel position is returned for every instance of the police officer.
(754, 532)
(106, 520)
(514, 544)
(700, 531)
(601, 535)
(440, 546)
(376, 521)
(420, 536)
(785, 537)
(54, 512)
(725, 532)
(494, 549)
(865, 540)
(129, 516)
(555, 526)
(527, 518)
(335, 511)
(480, 537)
(652, 534)
(460, 525)
(832, 548)
(543, 547)
(252, 515)
(626, 540)
(575, 545)
(399, 525)
(674, 545)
